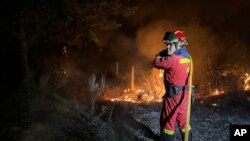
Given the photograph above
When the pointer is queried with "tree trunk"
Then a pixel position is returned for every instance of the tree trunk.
(26, 83)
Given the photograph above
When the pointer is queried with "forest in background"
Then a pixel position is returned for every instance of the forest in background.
(49, 47)
(58, 57)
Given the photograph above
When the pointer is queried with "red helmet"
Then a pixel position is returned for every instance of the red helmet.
(180, 35)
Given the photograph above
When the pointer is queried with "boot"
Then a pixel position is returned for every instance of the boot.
(166, 137)
(189, 136)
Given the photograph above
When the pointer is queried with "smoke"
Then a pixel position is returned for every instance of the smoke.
(123, 49)
(216, 37)
(149, 38)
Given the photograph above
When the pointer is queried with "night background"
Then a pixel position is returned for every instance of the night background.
(82, 69)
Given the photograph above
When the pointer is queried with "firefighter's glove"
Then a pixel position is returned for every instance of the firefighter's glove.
(163, 53)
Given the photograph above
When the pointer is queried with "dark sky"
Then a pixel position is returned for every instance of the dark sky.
(209, 12)
(221, 16)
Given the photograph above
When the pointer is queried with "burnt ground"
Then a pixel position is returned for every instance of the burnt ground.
(210, 117)
(208, 123)
(69, 120)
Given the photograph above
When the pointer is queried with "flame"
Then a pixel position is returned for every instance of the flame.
(151, 90)
(137, 96)
(217, 92)
(247, 82)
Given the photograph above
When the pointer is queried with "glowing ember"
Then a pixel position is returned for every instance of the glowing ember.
(214, 104)
(247, 82)
(217, 92)
(126, 91)
(161, 73)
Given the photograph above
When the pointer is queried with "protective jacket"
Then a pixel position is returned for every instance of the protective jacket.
(176, 74)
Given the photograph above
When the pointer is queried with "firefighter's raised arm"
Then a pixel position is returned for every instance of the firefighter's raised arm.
(162, 62)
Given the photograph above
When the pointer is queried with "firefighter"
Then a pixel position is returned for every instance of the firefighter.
(176, 62)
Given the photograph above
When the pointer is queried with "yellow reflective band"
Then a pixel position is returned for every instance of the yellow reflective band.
(187, 70)
(184, 60)
(170, 41)
(183, 129)
(169, 132)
